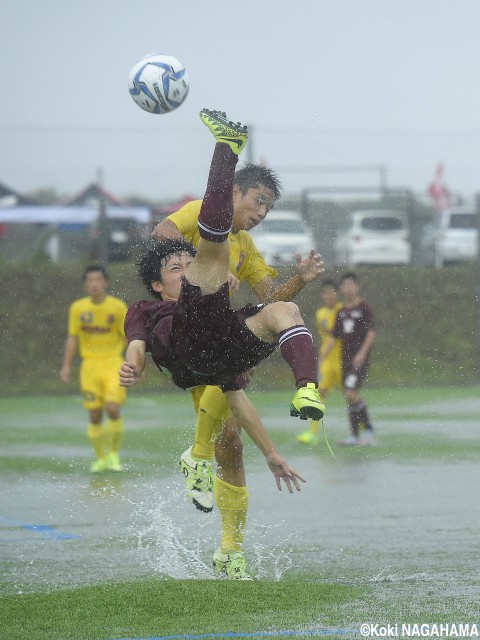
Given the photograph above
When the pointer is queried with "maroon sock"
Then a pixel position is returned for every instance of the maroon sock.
(354, 420)
(298, 350)
(216, 213)
(359, 416)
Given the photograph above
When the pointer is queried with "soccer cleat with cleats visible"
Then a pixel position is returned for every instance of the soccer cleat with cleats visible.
(99, 465)
(307, 403)
(199, 480)
(351, 441)
(233, 564)
(307, 437)
(235, 134)
(367, 439)
(113, 462)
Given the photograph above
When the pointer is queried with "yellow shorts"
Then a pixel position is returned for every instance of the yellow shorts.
(99, 383)
(331, 375)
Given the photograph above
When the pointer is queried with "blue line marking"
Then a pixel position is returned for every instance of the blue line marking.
(46, 531)
(257, 634)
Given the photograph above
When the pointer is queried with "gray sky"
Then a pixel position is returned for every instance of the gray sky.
(321, 82)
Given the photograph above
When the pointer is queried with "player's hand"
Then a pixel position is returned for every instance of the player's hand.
(310, 267)
(65, 374)
(280, 469)
(233, 284)
(130, 374)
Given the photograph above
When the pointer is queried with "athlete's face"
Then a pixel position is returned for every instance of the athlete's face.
(350, 290)
(250, 208)
(171, 276)
(329, 296)
(96, 284)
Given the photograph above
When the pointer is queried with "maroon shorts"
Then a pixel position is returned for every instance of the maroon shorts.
(353, 377)
(212, 339)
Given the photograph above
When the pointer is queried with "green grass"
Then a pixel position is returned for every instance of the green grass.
(44, 445)
(152, 608)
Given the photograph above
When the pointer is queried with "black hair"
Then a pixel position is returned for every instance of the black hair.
(349, 275)
(251, 176)
(329, 283)
(92, 268)
(152, 262)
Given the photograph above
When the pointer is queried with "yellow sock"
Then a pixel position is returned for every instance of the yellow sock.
(115, 432)
(314, 426)
(96, 435)
(232, 503)
(213, 410)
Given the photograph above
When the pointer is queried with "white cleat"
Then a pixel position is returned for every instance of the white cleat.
(199, 480)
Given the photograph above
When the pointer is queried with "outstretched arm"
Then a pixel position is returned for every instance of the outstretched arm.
(131, 371)
(308, 269)
(165, 230)
(247, 415)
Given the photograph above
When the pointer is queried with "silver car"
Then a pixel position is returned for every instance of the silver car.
(373, 237)
(281, 235)
(456, 236)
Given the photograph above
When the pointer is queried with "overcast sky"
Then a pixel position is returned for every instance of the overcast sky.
(323, 83)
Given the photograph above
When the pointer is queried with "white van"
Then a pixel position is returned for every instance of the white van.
(456, 236)
(281, 235)
(373, 236)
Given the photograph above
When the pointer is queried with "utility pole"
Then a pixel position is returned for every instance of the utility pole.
(102, 223)
(476, 287)
(249, 148)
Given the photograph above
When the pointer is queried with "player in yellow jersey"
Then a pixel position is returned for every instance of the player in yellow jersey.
(255, 190)
(95, 326)
(331, 366)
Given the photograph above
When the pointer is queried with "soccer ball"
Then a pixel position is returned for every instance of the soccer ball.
(158, 83)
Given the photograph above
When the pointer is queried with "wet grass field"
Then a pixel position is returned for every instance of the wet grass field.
(383, 535)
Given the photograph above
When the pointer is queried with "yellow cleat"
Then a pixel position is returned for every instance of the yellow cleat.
(232, 564)
(307, 437)
(113, 462)
(231, 133)
(99, 465)
(307, 403)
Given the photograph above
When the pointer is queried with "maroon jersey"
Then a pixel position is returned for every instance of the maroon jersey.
(351, 326)
(198, 340)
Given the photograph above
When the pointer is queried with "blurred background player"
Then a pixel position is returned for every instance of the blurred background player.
(95, 325)
(331, 365)
(191, 331)
(355, 328)
(255, 190)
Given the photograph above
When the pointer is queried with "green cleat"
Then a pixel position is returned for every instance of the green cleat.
(307, 403)
(232, 564)
(307, 437)
(113, 462)
(234, 134)
(199, 479)
(99, 465)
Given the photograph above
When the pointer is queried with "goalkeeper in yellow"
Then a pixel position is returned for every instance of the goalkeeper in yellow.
(255, 190)
(95, 326)
(331, 365)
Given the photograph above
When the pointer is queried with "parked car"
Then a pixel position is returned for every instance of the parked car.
(373, 237)
(281, 235)
(456, 236)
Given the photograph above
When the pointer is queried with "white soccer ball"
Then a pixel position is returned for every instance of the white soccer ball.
(158, 83)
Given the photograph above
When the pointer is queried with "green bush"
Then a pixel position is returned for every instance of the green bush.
(426, 322)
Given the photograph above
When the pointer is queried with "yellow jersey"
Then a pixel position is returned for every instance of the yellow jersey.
(246, 262)
(325, 318)
(98, 327)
